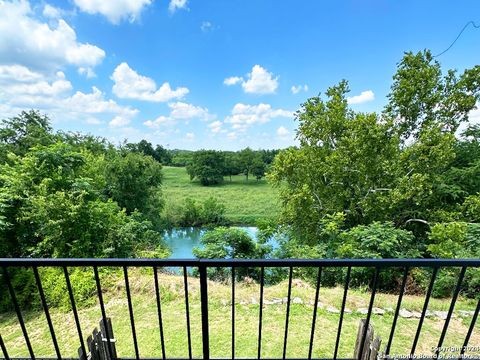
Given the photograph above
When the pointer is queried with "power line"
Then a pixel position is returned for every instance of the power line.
(454, 41)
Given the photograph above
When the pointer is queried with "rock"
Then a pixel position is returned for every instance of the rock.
(362, 311)
(297, 300)
(466, 312)
(441, 314)
(268, 302)
(389, 309)
(285, 300)
(405, 313)
(243, 302)
(347, 310)
(254, 301)
(429, 314)
(277, 301)
(333, 310)
(224, 302)
(416, 314)
(320, 305)
(378, 311)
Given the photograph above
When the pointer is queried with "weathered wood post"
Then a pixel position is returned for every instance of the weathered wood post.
(371, 346)
(97, 344)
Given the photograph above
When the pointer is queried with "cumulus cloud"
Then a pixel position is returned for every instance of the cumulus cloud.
(365, 96)
(216, 127)
(175, 5)
(190, 136)
(131, 85)
(243, 116)
(296, 89)
(25, 40)
(119, 121)
(233, 80)
(283, 132)
(259, 81)
(159, 122)
(22, 88)
(185, 111)
(53, 12)
(115, 11)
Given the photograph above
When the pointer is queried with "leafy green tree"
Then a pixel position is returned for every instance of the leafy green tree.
(21, 133)
(133, 181)
(207, 166)
(232, 164)
(246, 158)
(258, 167)
(162, 155)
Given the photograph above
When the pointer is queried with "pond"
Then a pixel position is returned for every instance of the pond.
(182, 240)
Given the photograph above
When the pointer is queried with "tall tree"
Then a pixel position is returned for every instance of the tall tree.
(207, 166)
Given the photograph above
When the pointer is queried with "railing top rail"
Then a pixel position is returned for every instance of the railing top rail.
(379, 263)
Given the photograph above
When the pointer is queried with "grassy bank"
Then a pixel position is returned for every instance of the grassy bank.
(245, 201)
(173, 308)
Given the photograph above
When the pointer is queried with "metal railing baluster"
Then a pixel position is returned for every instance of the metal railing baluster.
(47, 313)
(159, 311)
(233, 313)
(74, 309)
(4, 348)
(314, 317)
(187, 312)
(104, 314)
(288, 313)
(130, 312)
(397, 310)
(262, 280)
(369, 314)
(424, 310)
(204, 308)
(340, 322)
(18, 312)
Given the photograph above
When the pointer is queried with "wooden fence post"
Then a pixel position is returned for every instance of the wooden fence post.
(371, 347)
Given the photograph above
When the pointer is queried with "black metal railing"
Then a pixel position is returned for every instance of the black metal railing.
(202, 265)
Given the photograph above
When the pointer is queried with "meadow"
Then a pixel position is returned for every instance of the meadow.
(246, 322)
(245, 201)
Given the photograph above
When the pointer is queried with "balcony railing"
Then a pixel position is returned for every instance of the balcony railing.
(202, 265)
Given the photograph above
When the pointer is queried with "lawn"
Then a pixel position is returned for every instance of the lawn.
(173, 308)
(245, 201)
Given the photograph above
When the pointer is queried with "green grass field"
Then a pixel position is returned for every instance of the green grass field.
(173, 308)
(245, 201)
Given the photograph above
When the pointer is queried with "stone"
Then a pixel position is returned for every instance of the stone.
(277, 301)
(320, 305)
(405, 313)
(362, 311)
(285, 300)
(243, 302)
(268, 302)
(297, 300)
(389, 309)
(253, 301)
(378, 311)
(347, 310)
(333, 310)
(466, 312)
(224, 302)
(429, 314)
(441, 314)
(416, 314)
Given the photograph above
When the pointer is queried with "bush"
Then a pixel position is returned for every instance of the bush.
(210, 212)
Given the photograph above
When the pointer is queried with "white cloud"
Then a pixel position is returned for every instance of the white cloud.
(174, 5)
(93, 121)
(114, 10)
(216, 127)
(233, 80)
(244, 116)
(24, 40)
(52, 12)
(296, 89)
(189, 136)
(53, 95)
(131, 85)
(365, 96)
(185, 111)
(159, 122)
(206, 26)
(259, 81)
(283, 132)
(119, 121)
(88, 72)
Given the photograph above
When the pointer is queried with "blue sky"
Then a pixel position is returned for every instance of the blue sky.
(212, 74)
